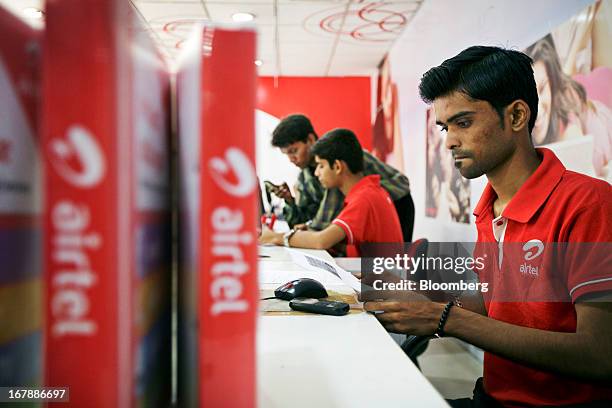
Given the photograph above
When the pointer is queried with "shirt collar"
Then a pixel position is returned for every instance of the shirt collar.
(532, 194)
(373, 179)
(486, 200)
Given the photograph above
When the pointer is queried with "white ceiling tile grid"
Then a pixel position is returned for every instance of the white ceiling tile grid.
(295, 37)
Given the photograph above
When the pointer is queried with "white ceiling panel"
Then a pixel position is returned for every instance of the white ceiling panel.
(297, 34)
(344, 50)
(172, 22)
(303, 50)
(156, 11)
(298, 13)
(222, 12)
(295, 37)
(17, 7)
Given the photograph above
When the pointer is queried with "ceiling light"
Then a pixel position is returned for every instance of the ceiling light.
(242, 17)
(31, 12)
(258, 62)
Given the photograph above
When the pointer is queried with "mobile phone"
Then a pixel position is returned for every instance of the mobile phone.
(328, 307)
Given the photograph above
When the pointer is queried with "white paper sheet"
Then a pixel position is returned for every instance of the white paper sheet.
(281, 272)
(314, 263)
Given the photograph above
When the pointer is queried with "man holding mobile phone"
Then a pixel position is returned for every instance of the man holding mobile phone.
(546, 325)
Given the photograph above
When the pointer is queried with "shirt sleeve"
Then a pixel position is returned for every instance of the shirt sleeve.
(303, 208)
(352, 219)
(293, 215)
(589, 251)
(396, 184)
(328, 209)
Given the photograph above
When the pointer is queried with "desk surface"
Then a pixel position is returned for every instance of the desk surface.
(328, 361)
(273, 253)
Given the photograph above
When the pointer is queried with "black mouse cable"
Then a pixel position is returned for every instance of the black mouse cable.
(268, 298)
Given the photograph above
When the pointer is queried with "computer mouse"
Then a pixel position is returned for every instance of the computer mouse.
(301, 288)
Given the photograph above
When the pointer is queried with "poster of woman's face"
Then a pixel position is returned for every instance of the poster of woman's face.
(573, 72)
(561, 99)
(447, 192)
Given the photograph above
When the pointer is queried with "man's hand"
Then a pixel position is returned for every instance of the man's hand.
(403, 311)
(418, 317)
(385, 276)
(283, 192)
(300, 227)
(369, 279)
(270, 237)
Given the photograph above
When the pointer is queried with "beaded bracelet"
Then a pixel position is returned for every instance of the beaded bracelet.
(440, 331)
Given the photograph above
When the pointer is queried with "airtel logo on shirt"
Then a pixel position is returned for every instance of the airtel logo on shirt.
(78, 158)
(533, 244)
(528, 269)
(234, 173)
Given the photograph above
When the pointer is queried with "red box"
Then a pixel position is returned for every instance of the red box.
(218, 214)
(107, 216)
(20, 205)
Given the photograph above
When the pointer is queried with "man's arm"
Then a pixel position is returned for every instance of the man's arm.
(301, 210)
(391, 179)
(325, 239)
(329, 208)
(305, 206)
(583, 354)
(470, 300)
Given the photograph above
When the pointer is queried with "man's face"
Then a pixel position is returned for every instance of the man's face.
(474, 134)
(299, 152)
(325, 173)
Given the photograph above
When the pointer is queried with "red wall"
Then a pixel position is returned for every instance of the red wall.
(329, 102)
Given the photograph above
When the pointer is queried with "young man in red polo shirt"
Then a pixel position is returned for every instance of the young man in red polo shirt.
(368, 215)
(546, 324)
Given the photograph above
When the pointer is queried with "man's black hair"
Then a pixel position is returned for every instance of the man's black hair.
(340, 144)
(490, 74)
(293, 128)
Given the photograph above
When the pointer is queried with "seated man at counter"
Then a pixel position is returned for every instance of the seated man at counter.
(368, 214)
(295, 135)
(546, 326)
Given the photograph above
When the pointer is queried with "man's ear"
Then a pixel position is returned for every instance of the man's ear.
(519, 113)
(338, 166)
(311, 139)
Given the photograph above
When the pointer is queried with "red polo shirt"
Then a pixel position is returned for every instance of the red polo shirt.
(368, 215)
(538, 288)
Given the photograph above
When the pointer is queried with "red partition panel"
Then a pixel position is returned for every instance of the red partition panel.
(216, 91)
(105, 142)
